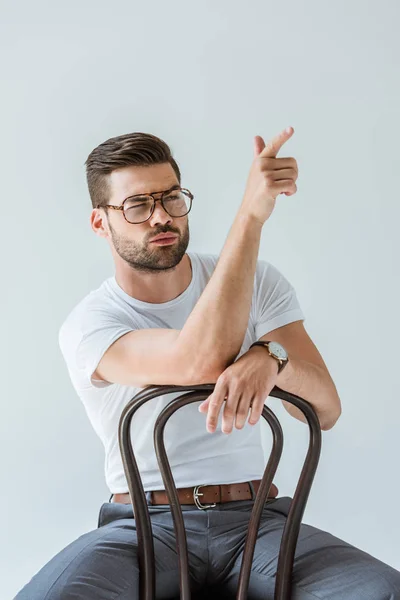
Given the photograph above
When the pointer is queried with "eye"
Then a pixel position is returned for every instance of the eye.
(172, 196)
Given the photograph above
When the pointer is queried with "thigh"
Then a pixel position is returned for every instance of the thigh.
(103, 564)
(325, 567)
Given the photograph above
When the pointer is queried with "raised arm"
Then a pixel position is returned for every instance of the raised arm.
(214, 331)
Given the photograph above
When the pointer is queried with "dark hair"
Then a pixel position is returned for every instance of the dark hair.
(136, 148)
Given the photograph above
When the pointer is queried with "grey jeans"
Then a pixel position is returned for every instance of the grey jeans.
(102, 564)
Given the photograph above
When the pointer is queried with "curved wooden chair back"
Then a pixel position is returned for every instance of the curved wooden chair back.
(196, 393)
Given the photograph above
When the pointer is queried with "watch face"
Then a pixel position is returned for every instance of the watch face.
(278, 350)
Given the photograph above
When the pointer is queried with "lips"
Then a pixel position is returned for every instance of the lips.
(165, 236)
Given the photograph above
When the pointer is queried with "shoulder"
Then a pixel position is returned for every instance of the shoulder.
(263, 267)
(269, 274)
(266, 274)
(99, 307)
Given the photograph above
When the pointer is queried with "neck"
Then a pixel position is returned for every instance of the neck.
(157, 287)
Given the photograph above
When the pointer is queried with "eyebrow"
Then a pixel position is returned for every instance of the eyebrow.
(174, 187)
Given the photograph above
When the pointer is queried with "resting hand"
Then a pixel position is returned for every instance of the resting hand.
(245, 385)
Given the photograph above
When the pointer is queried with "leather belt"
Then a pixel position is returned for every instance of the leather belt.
(205, 496)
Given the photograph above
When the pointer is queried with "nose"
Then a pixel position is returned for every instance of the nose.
(159, 215)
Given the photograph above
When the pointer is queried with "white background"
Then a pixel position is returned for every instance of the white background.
(206, 78)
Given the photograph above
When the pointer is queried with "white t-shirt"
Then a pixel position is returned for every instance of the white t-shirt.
(195, 455)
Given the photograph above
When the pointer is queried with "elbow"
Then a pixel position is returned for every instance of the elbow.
(331, 422)
(207, 372)
(327, 426)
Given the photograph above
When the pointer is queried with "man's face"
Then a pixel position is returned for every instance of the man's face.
(132, 241)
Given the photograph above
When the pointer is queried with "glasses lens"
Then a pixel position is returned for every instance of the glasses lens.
(138, 209)
(177, 203)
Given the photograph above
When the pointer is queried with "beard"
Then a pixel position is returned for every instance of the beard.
(148, 257)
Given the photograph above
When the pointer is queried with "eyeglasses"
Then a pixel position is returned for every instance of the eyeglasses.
(136, 209)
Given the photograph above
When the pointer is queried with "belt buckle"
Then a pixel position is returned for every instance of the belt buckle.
(196, 495)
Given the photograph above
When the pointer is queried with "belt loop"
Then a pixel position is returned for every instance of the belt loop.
(253, 495)
(110, 497)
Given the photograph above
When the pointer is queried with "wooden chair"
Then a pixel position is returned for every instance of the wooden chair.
(290, 533)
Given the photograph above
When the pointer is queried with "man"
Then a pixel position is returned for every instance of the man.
(171, 317)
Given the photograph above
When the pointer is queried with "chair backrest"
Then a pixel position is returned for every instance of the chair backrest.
(290, 533)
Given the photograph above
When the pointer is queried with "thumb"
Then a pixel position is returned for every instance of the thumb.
(203, 407)
(259, 145)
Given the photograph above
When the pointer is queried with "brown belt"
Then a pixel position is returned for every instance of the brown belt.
(204, 496)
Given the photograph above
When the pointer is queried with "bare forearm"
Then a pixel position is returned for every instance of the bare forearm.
(216, 326)
(313, 384)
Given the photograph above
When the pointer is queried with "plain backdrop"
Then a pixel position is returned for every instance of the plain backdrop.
(205, 77)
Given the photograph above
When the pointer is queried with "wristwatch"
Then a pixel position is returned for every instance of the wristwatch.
(277, 351)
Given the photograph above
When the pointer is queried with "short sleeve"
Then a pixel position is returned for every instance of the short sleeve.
(276, 302)
(84, 341)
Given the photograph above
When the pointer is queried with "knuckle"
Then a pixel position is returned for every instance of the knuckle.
(267, 163)
(258, 406)
(242, 413)
(223, 378)
(268, 176)
(233, 381)
(228, 412)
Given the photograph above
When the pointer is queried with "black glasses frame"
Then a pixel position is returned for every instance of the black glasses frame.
(161, 199)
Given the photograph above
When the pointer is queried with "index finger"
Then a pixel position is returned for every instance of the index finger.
(273, 146)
